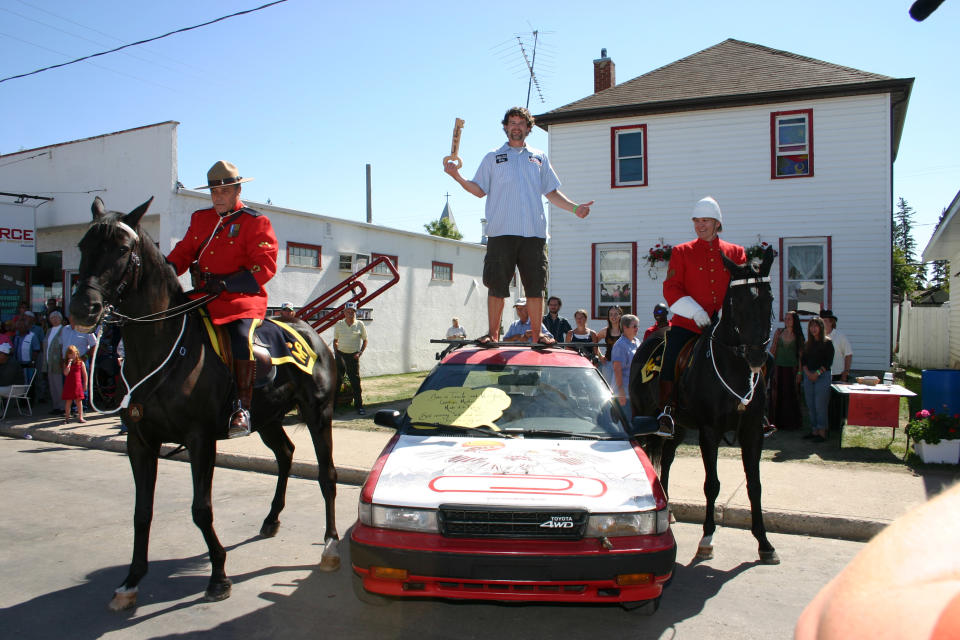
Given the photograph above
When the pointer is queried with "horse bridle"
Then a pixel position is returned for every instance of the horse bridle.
(131, 272)
(739, 350)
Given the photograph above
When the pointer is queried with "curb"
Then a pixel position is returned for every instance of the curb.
(814, 524)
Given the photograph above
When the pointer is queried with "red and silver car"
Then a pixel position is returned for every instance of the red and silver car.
(513, 477)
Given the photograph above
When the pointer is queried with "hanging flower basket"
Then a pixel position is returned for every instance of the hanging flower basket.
(756, 251)
(659, 255)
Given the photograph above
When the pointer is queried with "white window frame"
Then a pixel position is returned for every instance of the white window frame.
(797, 278)
(778, 119)
(615, 133)
(602, 289)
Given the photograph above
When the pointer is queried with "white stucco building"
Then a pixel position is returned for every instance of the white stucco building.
(439, 278)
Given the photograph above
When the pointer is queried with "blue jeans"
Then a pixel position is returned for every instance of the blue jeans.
(817, 395)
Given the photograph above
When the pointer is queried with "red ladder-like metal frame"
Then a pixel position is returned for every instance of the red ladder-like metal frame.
(313, 312)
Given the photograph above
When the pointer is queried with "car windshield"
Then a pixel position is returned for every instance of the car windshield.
(529, 401)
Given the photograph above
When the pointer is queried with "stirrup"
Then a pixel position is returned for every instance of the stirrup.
(665, 425)
(242, 429)
(768, 428)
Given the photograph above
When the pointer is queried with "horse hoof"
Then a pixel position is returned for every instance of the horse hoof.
(123, 600)
(217, 592)
(270, 529)
(330, 560)
(329, 563)
(704, 553)
(769, 557)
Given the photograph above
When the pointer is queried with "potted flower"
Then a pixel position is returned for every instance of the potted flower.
(659, 255)
(937, 436)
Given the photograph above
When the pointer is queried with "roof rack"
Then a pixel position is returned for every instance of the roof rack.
(454, 344)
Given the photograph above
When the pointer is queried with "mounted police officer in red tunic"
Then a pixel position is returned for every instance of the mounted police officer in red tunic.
(695, 288)
(231, 250)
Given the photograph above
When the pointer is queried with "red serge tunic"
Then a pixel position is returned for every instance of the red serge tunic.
(696, 270)
(245, 240)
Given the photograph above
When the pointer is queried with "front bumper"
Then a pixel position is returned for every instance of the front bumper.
(513, 570)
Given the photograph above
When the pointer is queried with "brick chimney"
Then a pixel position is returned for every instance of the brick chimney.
(604, 75)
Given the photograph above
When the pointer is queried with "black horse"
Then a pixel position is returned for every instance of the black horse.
(181, 388)
(721, 390)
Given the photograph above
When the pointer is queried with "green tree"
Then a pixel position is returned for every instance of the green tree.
(904, 275)
(442, 227)
(941, 274)
(903, 230)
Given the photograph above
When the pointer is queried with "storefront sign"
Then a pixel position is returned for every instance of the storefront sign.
(18, 235)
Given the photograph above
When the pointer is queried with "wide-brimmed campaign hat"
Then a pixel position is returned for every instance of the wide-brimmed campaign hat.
(223, 174)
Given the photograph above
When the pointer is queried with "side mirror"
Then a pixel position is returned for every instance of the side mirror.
(643, 426)
(389, 418)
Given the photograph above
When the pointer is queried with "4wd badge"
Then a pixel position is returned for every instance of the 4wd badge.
(558, 522)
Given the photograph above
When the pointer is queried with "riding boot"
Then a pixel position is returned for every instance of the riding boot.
(240, 426)
(665, 425)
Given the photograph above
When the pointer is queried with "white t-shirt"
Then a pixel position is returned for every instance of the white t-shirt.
(456, 332)
(841, 349)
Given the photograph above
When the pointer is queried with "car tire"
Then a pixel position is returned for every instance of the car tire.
(364, 596)
(643, 607)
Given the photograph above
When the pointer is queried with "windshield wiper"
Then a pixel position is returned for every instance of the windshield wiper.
(557, 432)
(478, 430)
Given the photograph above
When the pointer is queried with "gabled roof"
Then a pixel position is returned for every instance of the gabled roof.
(732, 73)
(945, 242)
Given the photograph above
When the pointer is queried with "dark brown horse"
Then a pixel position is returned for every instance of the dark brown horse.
(721, 390)
(181, 388)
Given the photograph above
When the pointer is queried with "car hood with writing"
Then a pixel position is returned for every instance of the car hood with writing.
(602, 476)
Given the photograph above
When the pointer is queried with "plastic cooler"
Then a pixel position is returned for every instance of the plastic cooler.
(940, 390)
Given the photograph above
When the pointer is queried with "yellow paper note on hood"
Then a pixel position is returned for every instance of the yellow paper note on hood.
(459, 406)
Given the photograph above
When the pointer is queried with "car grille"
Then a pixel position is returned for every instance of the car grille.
(505, 522)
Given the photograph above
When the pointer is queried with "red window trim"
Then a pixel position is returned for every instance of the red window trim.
(435, 264)
(391, 258)
(773, 142)
(828, 294)
(593, 278)
(303, 245)
(613, 156)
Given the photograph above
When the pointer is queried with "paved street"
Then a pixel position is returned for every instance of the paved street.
(66, 536)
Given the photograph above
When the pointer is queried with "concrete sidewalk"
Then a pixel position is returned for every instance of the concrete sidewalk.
(851, 502)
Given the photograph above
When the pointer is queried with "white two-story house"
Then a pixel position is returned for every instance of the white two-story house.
(798, 152)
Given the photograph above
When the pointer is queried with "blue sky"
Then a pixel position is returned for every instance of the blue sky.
(302, 95)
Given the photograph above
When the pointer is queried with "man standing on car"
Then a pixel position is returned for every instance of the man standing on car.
(516, 178)
(349, 343)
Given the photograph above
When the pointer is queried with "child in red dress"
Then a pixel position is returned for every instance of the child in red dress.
(74, 382)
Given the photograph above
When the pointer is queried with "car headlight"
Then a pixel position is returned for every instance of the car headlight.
(402, 518)
(637, 523)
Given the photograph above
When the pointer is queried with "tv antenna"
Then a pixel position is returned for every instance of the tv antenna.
(534, 51)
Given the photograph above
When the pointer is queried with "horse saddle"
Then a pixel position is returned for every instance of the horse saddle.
(651, 354)
(273, 343)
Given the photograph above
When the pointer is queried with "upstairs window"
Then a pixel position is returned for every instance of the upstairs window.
(628, 156)
(442, 271)
(791, 144)
(303, 255)
(806, 265)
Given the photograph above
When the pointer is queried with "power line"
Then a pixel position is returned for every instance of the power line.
(134, 44)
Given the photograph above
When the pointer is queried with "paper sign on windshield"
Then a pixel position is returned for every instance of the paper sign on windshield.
(459, 406)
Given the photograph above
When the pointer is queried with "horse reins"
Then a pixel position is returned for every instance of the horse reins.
(741, 349)
(110, 312)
